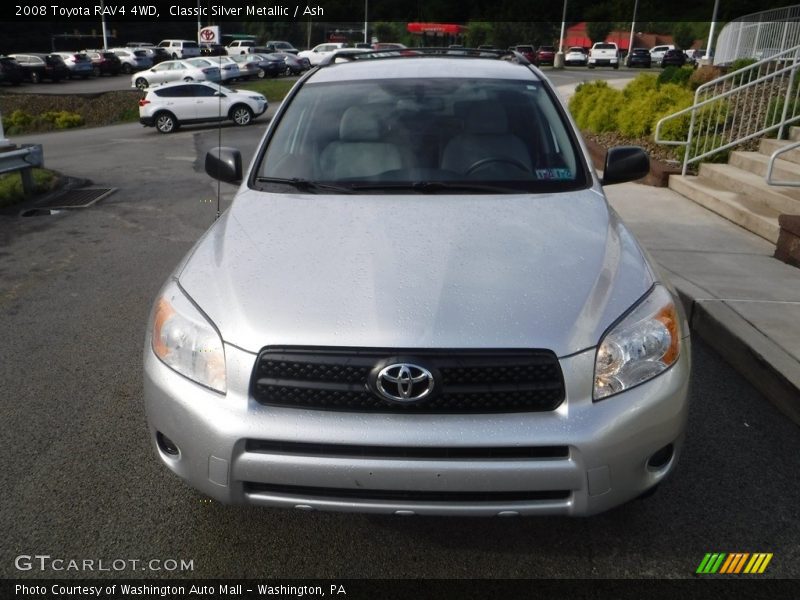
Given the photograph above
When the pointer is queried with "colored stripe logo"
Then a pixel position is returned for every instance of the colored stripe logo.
(734, 563)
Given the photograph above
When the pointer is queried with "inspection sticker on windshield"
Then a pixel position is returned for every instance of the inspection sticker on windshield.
(553, 174)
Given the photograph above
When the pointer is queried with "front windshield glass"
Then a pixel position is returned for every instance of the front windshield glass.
(391, 133)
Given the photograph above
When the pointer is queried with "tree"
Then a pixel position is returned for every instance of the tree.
(598, 30)
(683, 35)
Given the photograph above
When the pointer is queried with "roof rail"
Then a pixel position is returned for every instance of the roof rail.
(352, 54)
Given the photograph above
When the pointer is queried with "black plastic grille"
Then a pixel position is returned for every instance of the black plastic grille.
(466, 381)
(404, 495)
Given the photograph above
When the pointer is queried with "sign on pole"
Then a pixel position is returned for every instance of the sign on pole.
(210, 35)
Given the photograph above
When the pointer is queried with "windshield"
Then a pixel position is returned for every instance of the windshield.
(394, 134)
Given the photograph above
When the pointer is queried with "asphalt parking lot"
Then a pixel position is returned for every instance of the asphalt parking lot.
(81, 480)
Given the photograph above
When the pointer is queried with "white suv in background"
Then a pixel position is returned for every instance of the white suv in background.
(181, 48)
(166, 107)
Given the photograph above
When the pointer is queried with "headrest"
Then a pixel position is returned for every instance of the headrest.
(486, 118)
(358, 125)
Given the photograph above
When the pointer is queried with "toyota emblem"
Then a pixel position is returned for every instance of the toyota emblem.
(404, 382)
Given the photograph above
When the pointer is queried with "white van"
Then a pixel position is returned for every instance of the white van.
(180, 48)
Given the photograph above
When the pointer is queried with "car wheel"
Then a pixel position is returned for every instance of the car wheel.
(241, 115)
(616, 66)
(127, 69)
(166, 122)
(35, 77)
(141, 83)
(96, 71)
(174, 56)
(287, 71)
(261, 74)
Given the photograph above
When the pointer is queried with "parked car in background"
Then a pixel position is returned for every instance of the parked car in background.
(167, 107)
(576, 55)
(132, 60)
(78, 63)
(545, 55)
(38, 66)
(104, 62)
(175, 70)
(271, 64)
(180, 48)
(228, 68)
(319, 52)
(673, 58)
(248, 65)
(281, 46)
(604, 54)
(212, 50)
(639, 57)
(657, 52)
(294, 64)
(432, 320)
(527, 51)
(155, 54)
(10, 71)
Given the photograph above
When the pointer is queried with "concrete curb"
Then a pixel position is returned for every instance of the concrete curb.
(767, 366)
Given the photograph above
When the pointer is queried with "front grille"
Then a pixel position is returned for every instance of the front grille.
(322, 493)
(466, 381)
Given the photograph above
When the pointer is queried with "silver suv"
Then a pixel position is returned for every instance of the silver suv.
(419, 302)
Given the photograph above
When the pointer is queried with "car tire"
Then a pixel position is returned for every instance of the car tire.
(35, 77)
(165, 122)
(96, 71)
(127, 69)
(616, 66)
(174, 56)
(287, 71)
(241, 115)
(141, 83)
(261, 74)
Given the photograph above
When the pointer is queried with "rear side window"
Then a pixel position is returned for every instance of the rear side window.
(178, 91)
(190, 45)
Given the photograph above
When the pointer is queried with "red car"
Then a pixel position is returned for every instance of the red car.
(526, 51)
(545, 55)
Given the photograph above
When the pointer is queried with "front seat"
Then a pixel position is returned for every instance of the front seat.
(359, 151)
(485, 137)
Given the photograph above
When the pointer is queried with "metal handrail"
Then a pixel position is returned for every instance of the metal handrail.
(764, 88)
(771, 165)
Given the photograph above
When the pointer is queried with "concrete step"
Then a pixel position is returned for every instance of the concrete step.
(757, 163)
(768, 146)
(743, 210)
(779, 198)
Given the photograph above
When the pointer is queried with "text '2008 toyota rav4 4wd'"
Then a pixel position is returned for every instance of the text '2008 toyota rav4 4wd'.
(419, 302)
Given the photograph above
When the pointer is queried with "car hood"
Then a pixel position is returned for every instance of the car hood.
(549, 271)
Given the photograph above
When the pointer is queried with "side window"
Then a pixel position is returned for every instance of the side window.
(178, 91)
(198, 91)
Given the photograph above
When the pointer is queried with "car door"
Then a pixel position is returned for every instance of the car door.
(207, 105)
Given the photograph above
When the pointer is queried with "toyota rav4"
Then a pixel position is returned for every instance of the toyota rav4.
(419, 302)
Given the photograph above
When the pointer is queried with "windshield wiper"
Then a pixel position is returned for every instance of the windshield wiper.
(425, 187)
(305, 185)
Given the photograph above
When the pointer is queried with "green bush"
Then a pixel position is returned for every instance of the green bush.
(61, 119)
(642, 84)
(677, 75)
(595, 106)
(638, 117)
(775, 110)
(741, 63)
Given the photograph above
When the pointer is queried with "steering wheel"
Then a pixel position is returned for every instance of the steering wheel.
(497, 159)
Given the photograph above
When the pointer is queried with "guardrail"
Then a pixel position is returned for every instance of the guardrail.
(22, 159)
(743, 105)
(771, 166)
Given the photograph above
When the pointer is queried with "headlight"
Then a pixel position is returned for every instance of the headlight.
(645, 343)
(185, 341)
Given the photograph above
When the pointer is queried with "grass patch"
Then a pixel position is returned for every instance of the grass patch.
(11, 185)
(274, 89)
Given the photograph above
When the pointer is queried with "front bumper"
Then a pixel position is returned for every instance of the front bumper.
(238, 451)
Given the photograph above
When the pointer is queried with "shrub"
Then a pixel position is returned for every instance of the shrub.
(775, 110)
(595, 106)
(17, 121)
(638, 117)
(642, 84)
(741, 63)
(704, 75)
(676, 75)
(61, 119)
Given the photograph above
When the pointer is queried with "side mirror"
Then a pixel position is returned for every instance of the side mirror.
(625, 163)
(225, 164)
